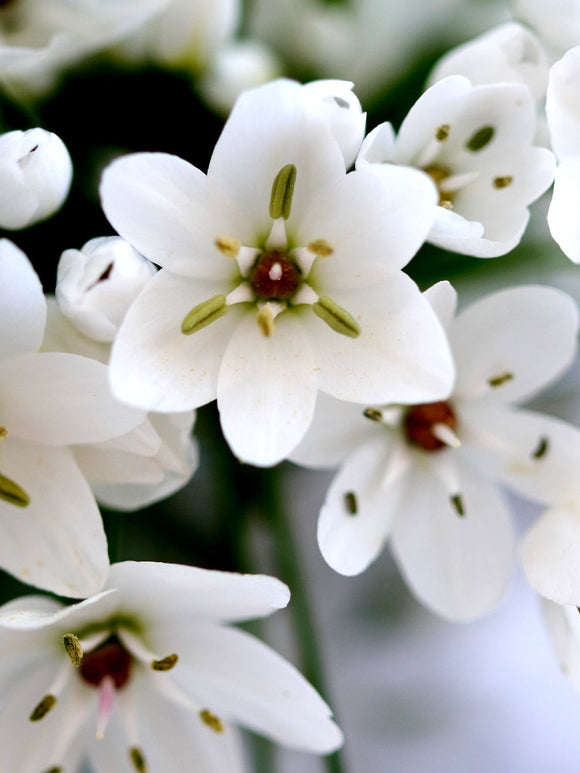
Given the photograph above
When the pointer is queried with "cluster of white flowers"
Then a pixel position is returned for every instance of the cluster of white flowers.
(274, 284)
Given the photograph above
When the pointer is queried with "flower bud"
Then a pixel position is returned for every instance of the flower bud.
(96, 285)
(35, 177)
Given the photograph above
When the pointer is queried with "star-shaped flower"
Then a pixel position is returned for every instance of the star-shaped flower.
(426, 475)
(280, 277)
(50, 526)
(475, 142)
(151, 667)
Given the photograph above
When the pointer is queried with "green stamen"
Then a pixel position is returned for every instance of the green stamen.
(282, 192)
(204, 314)
(336, 317)
(480, 139)
(13, 493)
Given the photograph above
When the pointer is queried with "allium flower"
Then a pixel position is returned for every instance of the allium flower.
(40, 37)
(96, 285)
(50, 526)
(280, 277)
(475, 142)
(510, 53)
(145, 465)
(563, 113)
(151, 667)
(35, 177)
(426, 475)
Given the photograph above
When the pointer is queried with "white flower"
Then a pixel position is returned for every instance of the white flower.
(50, 526)
(280, 277)
(557, 22)
(148, 463)
(153, 668)
(509, 53)
(475, 142)
(426, 475)
(96, 285)
(563, 112)
(35, 177)
(38, 38)
(185, 32)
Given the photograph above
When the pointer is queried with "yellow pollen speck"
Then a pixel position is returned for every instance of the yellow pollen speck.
(211, 721)
(165, 664)
(228, 246)
(266, 321)
(73, 649)
(42, 709)
(442, 132)
(321, 248)
(502, 182)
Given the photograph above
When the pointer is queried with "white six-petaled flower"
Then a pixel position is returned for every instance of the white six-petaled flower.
(475, 143)
(426, 475)
(280, 276)
(51, 530)
(148, 675)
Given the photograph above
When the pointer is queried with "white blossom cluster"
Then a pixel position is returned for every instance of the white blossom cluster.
(274, 283)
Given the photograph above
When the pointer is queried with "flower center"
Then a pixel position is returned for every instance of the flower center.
(439, 174)
(275, 276)
(421, 422)
(109, 659)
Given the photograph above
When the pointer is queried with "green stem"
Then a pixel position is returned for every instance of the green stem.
(288, 559)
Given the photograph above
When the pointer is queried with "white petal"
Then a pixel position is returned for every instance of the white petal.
(458, 565)
(22, 304)
(375, 220)
(186, 591)
(539, 455)
(550, 555)
(168, 211)
(378, 146)
(564, 207)
(153, 364)
(563, 105)
(443, 299)
(337, 428)
(238, 678)
(269, 127)
(400, 356)
(267, 389)
(61, 399)
(349, 541)
(528, 332)
(57, 542)
(167, 736)
(563, 623)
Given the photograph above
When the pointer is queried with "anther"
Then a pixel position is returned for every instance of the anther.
(282, 192)
(501, 379)
(457, 503)
(165, 664)
(336, 317)
(266, 321)
(373, 414)
(138, 760)
(73, 649)
(228, 246)
(204, 314)
(11, 492)
(41, 710)
(211, 721)
(442, 132)
(321, 248)
(54, 770)
(3, 432)
(541, 449)
(480, 139)
(350, 503)
(502, 182)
